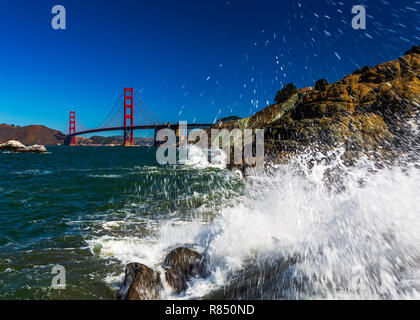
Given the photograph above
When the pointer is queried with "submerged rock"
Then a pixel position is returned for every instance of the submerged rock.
(182, 264)
(16, 146)
(140, 283)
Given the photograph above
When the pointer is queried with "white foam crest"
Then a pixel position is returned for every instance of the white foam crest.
(199, 158)
(107, 176)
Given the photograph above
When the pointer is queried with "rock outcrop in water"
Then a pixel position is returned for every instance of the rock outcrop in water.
(140, 283)
(371, 109)
(180, 266)
(16, 146)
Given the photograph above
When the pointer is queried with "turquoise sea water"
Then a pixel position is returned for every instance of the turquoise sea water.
(54, 207)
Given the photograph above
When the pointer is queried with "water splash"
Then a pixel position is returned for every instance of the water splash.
(199, 158)
(313, 228)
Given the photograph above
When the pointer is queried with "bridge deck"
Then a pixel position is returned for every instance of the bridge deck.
(146, 127)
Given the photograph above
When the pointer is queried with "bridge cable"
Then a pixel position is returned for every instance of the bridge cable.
(137, 95)
(108, 117)
(143, 112)
(110, 122)
(78, 122)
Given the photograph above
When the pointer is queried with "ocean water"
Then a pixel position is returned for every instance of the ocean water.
(310, 229)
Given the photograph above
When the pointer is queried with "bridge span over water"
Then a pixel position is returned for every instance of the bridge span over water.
(121, 118)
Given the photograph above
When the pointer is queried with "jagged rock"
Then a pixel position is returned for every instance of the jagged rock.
(16, 146)
(140, 283)
(368, 110)
(182, 264)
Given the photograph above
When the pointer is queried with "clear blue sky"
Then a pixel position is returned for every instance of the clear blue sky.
(190, 59)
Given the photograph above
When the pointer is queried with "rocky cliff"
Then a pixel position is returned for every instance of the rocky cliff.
(373, 108)
(30, 135)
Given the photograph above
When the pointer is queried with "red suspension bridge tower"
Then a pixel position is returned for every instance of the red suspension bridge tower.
(128, 117)
(72, 128)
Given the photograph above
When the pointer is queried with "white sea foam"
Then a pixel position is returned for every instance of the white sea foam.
(109, 225)
(34, 172)
(355, 233)
(199, 158)
(106, 176)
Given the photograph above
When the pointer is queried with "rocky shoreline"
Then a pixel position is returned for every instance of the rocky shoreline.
(373, 110)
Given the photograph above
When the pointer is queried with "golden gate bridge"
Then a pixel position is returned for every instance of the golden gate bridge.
(121, 118)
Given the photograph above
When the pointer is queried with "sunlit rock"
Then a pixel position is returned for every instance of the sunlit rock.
(16, 146)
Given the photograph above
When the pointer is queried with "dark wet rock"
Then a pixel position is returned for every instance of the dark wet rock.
(182, 264)
(176, 279)
(140, 283)
(187, 261)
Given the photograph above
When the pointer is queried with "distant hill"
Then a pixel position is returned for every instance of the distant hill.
(29, 135)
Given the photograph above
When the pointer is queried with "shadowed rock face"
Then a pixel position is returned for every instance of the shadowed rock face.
(140, 283)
